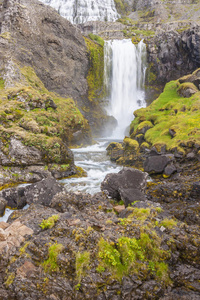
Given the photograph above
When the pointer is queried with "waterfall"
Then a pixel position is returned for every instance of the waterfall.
(124, 73)
(81, 11)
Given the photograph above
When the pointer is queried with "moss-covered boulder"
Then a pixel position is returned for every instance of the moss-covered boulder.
(36, 129)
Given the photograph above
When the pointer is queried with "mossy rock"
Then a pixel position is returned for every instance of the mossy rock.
(131, 144)
(187, 89)
(95, 77)
(170, 111)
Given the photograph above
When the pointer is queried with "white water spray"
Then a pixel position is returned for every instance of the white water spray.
(126, 63)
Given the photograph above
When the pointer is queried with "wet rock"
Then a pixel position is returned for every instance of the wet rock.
(14, 197)
(128, 178)
(3, 204)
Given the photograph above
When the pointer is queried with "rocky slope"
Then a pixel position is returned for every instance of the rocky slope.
(47, 69)
(75, 246)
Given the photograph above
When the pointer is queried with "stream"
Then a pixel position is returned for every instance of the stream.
(124, 77)
(96, 163)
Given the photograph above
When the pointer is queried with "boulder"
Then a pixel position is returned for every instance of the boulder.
(14, 197)
(41, 192)
(3, 204)
(156, 164)
(170, 169)
(126, 183)
(131, 195)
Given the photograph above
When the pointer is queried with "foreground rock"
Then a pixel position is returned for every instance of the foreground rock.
(127, 185)
(76, 247)
(41, 192)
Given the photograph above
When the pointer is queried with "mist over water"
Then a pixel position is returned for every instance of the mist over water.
(125, 66)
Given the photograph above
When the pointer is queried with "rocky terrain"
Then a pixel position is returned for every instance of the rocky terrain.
(139, 237)
(78, 246)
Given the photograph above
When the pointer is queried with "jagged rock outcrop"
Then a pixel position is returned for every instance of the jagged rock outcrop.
(172, 54)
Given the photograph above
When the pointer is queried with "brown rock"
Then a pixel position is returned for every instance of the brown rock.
(26, 270)
(119, 208)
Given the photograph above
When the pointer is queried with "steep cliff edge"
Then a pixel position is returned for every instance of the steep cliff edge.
(40, 52)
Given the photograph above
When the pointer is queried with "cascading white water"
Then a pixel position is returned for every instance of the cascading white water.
(125, 65)
(81, 11)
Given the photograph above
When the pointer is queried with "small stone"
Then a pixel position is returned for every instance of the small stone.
(119, 208)
(162, 228)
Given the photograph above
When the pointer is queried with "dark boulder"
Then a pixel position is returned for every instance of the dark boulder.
(3, 204)
(131, 195)
(43, 191)
(14, 197)
(170, 169)
(156, 164)
(128, 181)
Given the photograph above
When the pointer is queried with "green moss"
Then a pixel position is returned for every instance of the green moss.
(1, 84)
(23, 249)
(10, 279)
(168, 112)
(131, 255)
(6, 35)
(50, 222)
(131, 144)
(41, 126)
(50, 265)
(82, 264)
(96, 38)
(121, 6)
(168, 223)
(96, 70)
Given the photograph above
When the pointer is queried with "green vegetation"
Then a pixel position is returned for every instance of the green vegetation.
(168, 223)
(131, 255)
(82, 264)
(10, 279)
(50, 265)
(39, 118)
(131, 144)
(50, 222)
(171, 112)
(96, 71)
(96, 38)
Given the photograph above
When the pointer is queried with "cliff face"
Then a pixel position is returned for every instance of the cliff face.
(173, 54)
(35, 35)
(40, 52)
(159, 10)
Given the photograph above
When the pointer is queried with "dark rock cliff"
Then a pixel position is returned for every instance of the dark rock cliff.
(40, 38)
(172, 54)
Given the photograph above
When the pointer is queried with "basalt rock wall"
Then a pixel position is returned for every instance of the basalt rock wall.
(172, 54)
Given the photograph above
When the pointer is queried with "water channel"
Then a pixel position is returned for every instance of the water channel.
(124, 73)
